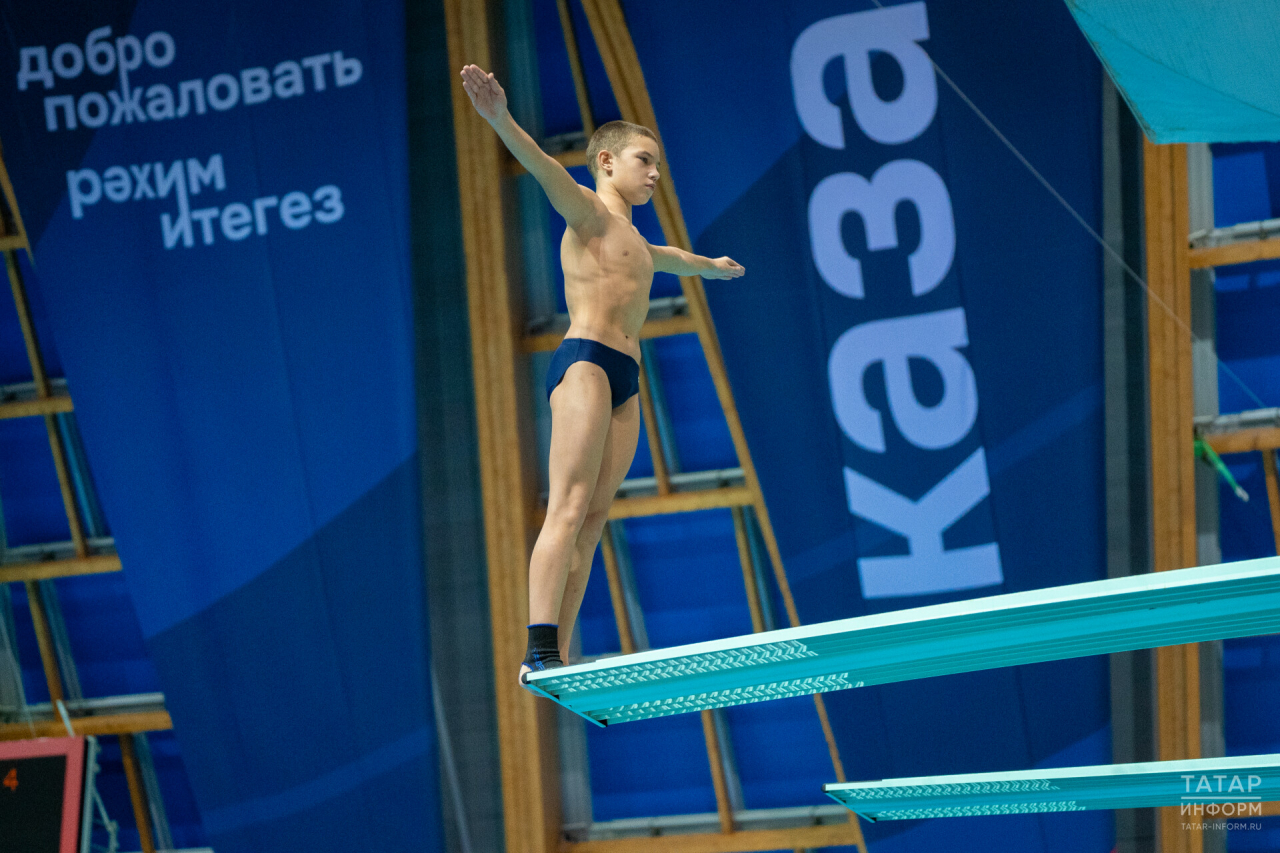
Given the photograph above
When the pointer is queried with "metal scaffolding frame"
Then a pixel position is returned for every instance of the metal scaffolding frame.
(502, 342)
(1173, 252)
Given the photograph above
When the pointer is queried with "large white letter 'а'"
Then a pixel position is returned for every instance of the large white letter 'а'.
(935, 337)
(854, 37)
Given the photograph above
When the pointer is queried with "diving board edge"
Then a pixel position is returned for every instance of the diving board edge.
(1166, 608)
(1106, 587)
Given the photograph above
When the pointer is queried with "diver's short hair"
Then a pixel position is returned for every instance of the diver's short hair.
(613, 136)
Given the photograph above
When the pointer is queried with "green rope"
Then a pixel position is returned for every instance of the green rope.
(1208, 454)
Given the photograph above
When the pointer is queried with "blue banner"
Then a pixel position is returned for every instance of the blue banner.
(916, 347)
(216, 195)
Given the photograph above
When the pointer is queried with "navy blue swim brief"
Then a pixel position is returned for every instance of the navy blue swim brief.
(621, 369)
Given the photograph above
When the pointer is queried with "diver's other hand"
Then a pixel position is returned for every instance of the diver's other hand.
(725, 267)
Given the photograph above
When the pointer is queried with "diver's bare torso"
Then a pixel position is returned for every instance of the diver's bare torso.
(608, 272)
(595, 419)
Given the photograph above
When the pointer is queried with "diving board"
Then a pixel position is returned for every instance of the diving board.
(1120, 614)
(1191, 70)
(1223, 787)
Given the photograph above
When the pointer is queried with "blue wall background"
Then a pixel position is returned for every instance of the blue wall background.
(246, 401)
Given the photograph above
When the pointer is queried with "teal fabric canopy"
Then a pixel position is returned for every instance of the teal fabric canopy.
(1191, 70)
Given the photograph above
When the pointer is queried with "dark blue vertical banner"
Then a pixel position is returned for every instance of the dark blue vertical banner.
(916, 346)
(216, 194)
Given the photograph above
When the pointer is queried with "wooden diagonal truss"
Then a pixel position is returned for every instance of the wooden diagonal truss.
(500, 350)
(49, 402)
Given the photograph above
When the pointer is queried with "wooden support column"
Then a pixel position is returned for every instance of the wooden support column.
(1173, 502)
(526, 727)
(137, 793)
(575, 67)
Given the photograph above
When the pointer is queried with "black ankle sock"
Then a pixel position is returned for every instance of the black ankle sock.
(544, 648)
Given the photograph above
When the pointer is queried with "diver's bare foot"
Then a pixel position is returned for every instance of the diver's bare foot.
(524, 668)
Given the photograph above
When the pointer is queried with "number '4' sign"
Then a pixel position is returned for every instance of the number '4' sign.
(11, 779)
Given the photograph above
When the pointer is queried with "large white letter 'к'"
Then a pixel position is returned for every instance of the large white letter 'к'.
(928, 567)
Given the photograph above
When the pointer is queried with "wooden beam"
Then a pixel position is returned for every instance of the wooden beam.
(755, 605)
(62, 466)
(748, 570)
(49, 569)
(137, 793)
(649, 412)
(17, 239)
(568, 159)
(622, 64)
(718, 779)
(26, 325)
(1234, 253)
(60, 402)
(44, 390)
(800, 837)
(1244, 440)
(1273, 493)
(626, 633)
(101, 725)
(1173, 508)
(829, 736)
(526, 727)
(575, 67)
(680, 324)
(623, 67)
(44, 640)
(721, 498)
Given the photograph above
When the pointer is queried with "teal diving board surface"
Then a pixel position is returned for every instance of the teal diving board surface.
(1203, 787)
(1191, 70)
(1137, 612)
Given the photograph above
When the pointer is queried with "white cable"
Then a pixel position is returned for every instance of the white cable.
(1013, 149)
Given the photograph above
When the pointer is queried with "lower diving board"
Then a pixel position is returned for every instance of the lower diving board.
(1233, 787)
(1120, 614)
